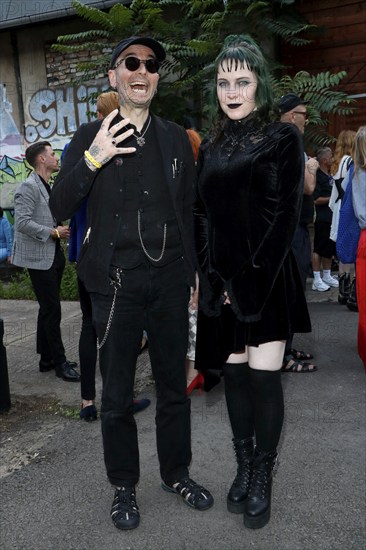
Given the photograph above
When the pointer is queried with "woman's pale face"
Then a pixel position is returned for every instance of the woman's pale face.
(236, 88)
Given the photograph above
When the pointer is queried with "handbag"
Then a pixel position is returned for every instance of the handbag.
(348, 227)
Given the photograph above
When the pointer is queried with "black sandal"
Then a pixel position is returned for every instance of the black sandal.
(125, 512)
(193, 495)
(291, 365)
(300, 355)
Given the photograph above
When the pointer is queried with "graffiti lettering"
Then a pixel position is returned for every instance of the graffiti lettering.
(59, 111)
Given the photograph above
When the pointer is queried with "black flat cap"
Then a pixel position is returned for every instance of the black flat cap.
(289, 102)
(156, 47)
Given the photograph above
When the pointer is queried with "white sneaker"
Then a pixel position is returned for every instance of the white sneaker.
(320, 285)
(331, 281)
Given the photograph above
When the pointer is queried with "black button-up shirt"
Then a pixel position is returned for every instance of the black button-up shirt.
(146, 206)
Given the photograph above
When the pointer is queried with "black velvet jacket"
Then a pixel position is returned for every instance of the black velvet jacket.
(248, 204)
(105, 191)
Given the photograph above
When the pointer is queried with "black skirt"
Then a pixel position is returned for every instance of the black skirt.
(284, 313)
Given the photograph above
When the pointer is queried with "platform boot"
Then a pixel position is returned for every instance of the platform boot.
(257, 507)
(239, 489)
(344, 288)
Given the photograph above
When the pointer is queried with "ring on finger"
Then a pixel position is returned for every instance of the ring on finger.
(114, 142)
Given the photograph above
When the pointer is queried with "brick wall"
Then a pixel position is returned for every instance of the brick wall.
(62, 67)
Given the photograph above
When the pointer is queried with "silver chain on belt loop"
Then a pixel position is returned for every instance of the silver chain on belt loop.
(117, 284)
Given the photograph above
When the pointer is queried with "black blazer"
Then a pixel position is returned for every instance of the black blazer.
(104, 187)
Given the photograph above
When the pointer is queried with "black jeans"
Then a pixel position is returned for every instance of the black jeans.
(46, 285)
(87, 346)
(154, 299)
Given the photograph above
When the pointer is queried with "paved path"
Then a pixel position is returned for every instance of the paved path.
(54, 494)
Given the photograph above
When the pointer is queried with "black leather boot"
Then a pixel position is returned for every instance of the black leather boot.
(344, 288)
(239, 490)
(352, 298)
(257, 508)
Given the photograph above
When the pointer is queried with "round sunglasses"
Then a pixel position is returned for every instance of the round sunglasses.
(133, 63)
(304, 113)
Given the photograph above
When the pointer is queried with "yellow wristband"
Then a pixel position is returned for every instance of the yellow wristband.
(92, 160)
(57, 233)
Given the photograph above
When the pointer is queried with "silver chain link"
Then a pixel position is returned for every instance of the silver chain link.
(117, 284)
(142, 243)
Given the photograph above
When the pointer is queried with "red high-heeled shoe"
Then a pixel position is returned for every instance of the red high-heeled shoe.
(196, 384)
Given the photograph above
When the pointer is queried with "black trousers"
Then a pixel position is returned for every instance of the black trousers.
(154, 299)
(46, 285)
(301, 247)
(87, 346)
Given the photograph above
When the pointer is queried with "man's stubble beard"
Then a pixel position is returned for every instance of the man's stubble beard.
(126, 101)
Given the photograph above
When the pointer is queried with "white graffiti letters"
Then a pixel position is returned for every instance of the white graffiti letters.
(59, 112)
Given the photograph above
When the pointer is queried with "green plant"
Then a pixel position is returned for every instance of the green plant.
(20, 286)
(58, 409)
(192, 32)
(69, 286)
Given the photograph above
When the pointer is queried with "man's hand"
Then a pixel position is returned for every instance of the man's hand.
(104, 147)
(312, 166)
(64, 231)
(60, 232)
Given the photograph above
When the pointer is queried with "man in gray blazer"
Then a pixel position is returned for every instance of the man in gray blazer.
(37, 247)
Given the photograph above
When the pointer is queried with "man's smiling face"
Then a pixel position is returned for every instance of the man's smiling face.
(135, 88)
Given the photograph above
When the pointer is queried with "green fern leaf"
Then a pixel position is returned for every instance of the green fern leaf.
(92, 14)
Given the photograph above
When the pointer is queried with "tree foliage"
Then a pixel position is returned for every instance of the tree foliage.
(192, 32)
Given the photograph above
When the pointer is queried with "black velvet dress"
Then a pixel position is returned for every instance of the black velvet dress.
(249, 196)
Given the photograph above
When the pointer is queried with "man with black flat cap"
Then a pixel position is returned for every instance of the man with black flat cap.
(293, 111)
(137, 263)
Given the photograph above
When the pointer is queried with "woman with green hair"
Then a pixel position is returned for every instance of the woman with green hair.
(251, 297)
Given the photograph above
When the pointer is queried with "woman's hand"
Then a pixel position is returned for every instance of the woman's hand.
(193, 303)
(104, 146)
(227, 299)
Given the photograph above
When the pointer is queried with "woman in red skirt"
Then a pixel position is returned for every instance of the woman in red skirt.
(359, 206)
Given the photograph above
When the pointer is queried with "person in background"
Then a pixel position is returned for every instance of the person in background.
(359, 206)
(294, 111)
(195, 141)
(6, 238)
(137, 263)
(324, 249)
(37, 247)
(194, 380)
(106, 103)
(249, 194)
(341, 163)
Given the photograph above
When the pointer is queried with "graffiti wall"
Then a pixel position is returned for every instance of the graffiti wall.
(50, 114)
(57, 113)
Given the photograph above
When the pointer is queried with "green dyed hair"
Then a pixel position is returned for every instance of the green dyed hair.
(240, 49)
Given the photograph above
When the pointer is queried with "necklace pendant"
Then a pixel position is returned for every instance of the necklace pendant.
(140, 141)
